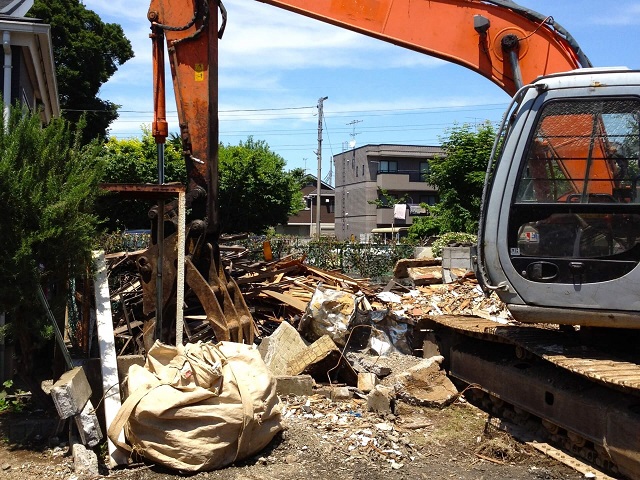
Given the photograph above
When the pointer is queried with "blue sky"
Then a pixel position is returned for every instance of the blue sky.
(275, 65)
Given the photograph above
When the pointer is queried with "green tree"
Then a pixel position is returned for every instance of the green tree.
(302, 177)
(255, 191)
(87, 52)
(135, 161)
(459, 176)
(48, 186)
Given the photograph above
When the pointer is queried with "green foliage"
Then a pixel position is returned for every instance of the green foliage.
(459, 175)
(255, 191)
(119, 241)
(48, 187)
(87, 52)
(387, 200)
(9, 399)
(302, 177)
(135, 161)
(452, 238)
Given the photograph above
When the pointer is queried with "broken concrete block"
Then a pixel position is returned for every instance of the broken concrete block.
(71, 392)
(88, 426)
(426, 384)
(430, 346)
(341, 394)
(368, 364)
(456, 263)
(124, 362)
(367, 381)
(322, 349)
(299, 385)
(85, 461)
(381, 399)
(282, 347)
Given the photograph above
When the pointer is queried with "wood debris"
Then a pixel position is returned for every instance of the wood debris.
(279, 291)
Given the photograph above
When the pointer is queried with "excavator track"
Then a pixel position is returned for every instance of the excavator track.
(588, 401)
(561, 349)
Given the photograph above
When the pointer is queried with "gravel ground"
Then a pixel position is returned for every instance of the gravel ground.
(341, 440)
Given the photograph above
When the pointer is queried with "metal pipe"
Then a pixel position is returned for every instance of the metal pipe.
(8, 60)
(159, 283)
(511, 46)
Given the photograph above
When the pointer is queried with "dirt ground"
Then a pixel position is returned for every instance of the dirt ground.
(329, 440)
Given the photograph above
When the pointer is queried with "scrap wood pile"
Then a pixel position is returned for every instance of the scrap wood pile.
(281, 291)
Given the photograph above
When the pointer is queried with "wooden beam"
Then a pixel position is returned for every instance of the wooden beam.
(287, 299)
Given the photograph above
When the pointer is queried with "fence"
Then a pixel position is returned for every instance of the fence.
(362, 260)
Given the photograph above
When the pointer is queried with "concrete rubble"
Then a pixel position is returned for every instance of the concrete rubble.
(426, 384)
(347, 371)
(356, 431)
(71, 396)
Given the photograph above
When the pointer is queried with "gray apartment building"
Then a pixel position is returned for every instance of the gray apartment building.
(362, 172)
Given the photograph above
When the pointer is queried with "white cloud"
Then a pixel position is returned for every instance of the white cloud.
(618, 15)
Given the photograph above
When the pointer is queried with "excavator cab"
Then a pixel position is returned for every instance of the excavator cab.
(562, 215)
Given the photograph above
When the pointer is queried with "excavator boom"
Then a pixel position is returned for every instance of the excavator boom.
(493, 38)
(498, 39)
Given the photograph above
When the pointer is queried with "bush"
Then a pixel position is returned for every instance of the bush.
(452, 239)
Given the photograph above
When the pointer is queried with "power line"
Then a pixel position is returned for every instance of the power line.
(370, 112)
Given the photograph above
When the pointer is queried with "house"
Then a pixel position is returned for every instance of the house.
(29, 70)
(304, 223)
(362, 173)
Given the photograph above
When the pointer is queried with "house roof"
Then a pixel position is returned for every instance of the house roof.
(325, 192)
(34, 37)
(15, 8)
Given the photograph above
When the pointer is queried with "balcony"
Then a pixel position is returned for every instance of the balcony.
(403, 180)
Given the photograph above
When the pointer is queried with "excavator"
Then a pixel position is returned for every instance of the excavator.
(559, 238)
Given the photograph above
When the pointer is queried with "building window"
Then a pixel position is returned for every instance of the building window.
(429, 199)
(363, 170)
(425, 170)
(388, 166)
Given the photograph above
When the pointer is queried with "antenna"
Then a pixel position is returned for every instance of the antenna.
(352, 142)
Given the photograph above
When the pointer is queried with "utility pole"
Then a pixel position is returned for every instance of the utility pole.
(319, 155)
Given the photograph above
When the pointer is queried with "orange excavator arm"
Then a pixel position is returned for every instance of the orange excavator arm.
(507, 43)
(497, 38)
(494, 38)
(190, 30)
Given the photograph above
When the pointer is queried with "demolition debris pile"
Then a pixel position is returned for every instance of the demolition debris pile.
(324, 337)
(289, 290)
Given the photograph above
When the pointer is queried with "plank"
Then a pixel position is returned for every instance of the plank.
(287, 299)
(108, 364)
(264, 275)
(124, 328)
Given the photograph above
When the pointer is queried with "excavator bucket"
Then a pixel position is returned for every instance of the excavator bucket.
(225, 312)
